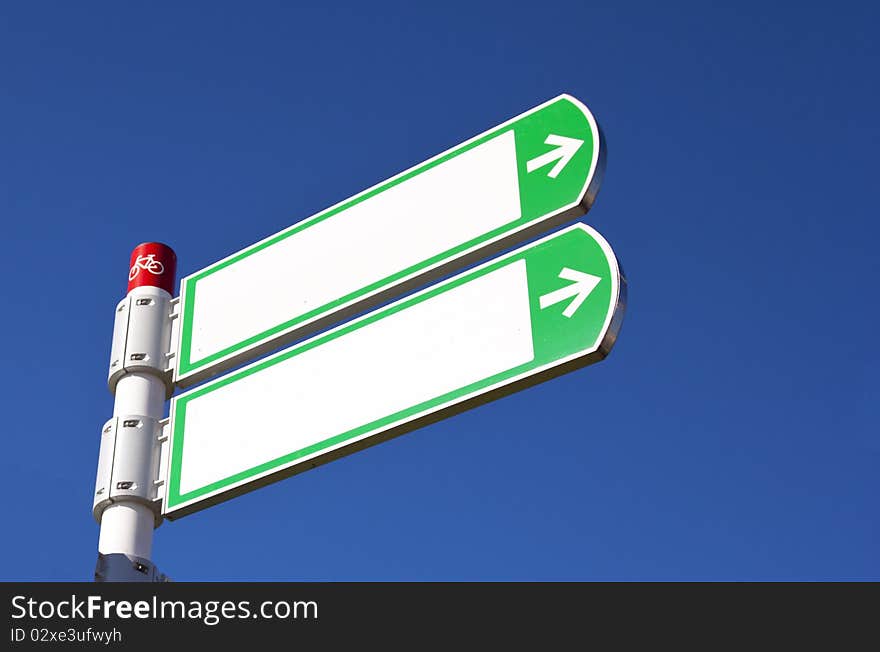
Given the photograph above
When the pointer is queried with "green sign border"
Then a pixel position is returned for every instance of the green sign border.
(550, 360)
(540, 211)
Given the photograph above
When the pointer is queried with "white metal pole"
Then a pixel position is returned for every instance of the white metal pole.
(127, 526)
(124, 502)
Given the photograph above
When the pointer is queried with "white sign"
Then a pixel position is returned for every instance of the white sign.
(547, 308)
(527, 175)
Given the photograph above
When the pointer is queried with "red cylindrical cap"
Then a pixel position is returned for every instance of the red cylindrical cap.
(153, 264)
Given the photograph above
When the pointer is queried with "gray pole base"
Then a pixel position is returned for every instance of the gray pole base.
(117, 567)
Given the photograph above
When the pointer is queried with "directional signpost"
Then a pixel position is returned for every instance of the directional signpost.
(549, 307)
(516, 180)
(544, 309)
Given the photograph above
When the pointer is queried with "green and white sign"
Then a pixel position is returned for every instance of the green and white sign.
(510, 183)
(539, 311)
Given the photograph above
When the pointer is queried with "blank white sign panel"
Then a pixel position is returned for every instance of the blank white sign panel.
(411, 356)
(404, 225)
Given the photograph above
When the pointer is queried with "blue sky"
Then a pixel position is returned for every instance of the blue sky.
(732, 433)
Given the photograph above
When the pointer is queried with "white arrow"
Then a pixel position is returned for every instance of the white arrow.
(580, 289)
(566, 148)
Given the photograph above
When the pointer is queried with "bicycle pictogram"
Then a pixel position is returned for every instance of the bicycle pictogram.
(147, 263)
